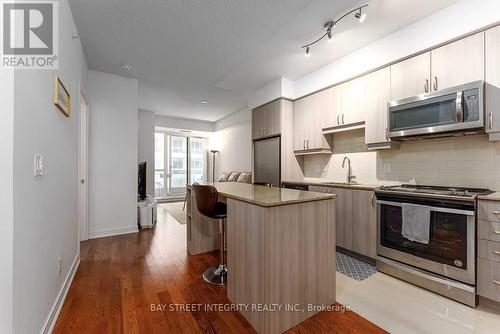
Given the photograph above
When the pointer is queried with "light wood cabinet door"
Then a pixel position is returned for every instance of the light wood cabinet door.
(458, 62)
(299, 130)
(377, 96)
(266, 120)
(316, 120)
(411, 77)
(352, 109)
(332, 106)
(344, 217)
(364, 226)
(493, 80)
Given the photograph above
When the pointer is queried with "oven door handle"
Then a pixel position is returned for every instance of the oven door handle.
(433, 208)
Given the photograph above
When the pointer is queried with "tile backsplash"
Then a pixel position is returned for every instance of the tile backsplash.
(469, 161)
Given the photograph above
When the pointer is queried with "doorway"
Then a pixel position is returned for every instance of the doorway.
(179, 160)
(83, 150)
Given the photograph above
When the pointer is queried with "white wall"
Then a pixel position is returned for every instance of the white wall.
(233, 139)
(146, 145)
(45, 208)
(113, 154)
(6, 200)
(183, 123)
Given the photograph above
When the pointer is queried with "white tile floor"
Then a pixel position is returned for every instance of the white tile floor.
(399, 307)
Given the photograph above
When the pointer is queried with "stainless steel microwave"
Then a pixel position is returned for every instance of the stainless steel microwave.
(451, 111)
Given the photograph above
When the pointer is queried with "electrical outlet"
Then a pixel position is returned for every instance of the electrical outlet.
(59, 267)
(387, 168)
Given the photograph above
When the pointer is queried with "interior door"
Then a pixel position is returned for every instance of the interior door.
(83, 169)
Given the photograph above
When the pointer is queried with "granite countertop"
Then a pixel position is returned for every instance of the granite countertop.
(360, 186)
(266, 196)
(491, 197)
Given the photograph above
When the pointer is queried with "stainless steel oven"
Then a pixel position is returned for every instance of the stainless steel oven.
(446, 112)
(446, 264)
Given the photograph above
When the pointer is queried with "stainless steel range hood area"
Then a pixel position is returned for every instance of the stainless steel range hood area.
(455, 111)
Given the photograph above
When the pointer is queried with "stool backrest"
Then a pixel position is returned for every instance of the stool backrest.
(206, 197)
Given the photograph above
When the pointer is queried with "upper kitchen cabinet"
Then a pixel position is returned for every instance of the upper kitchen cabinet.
(377, 97)
(493, 83)
(411, 77)
(458, 62)
(266, 120)
(308, 119)
(345, 106)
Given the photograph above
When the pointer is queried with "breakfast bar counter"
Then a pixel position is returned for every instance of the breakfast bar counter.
(280, 251)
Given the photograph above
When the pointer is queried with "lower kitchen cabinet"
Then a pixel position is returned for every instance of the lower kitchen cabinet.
(356, 219)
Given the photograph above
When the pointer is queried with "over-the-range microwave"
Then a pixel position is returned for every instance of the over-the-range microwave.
(447, 112)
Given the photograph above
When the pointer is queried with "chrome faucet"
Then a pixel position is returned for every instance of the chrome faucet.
(349, 179)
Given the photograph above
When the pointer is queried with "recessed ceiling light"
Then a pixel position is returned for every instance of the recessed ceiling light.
(204, 102)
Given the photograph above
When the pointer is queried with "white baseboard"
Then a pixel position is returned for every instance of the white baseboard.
(112, 231)
(54, 313)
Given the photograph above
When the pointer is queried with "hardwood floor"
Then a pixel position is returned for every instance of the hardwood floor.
(120, 278)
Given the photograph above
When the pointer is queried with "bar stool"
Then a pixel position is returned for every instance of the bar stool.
(206, 202)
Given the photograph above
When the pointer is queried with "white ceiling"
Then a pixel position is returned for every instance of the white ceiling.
(186, 51)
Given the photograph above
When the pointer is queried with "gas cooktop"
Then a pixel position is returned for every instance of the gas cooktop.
(435, 190)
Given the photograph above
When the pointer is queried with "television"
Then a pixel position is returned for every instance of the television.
(141, 189)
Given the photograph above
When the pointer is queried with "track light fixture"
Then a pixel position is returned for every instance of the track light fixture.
(330, 25)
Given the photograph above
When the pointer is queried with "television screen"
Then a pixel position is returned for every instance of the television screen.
(142, 181)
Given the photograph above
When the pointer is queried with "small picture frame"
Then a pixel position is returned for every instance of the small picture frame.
(62, 99)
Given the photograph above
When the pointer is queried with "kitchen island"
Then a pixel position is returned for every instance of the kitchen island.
(280, 251)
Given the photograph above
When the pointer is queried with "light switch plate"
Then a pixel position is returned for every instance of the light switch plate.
(38, 168)
(387, 168)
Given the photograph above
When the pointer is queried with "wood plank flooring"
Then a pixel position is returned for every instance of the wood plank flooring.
(120, 277)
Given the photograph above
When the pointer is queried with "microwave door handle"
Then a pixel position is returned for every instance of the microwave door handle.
(460, 109)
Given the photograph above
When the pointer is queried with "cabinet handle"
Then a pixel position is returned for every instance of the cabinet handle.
(426, 86)
(338, 119)
(435, 83)
(307, 144)
(496, 252)
(387, 134)
(343, 119)
(304, 144)
(373, 203)
(491, 121)
(496, 282)
(496, 232)
(496, 212)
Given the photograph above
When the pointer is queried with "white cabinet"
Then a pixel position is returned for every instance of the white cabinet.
(308, 119)
(447, 66)
(493, 83)
(411, 77)
(458, 62)
(344, 104)
(377, 97)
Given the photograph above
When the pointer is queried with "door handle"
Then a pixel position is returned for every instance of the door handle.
(426, 86)
(435, 83)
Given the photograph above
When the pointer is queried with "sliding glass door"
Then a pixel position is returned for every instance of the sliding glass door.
(177, 160)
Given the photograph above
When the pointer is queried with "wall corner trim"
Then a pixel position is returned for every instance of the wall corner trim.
(61, 297)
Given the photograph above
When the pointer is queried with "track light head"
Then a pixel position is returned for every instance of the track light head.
(360, 16)
(307, 54)
(330, 36)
